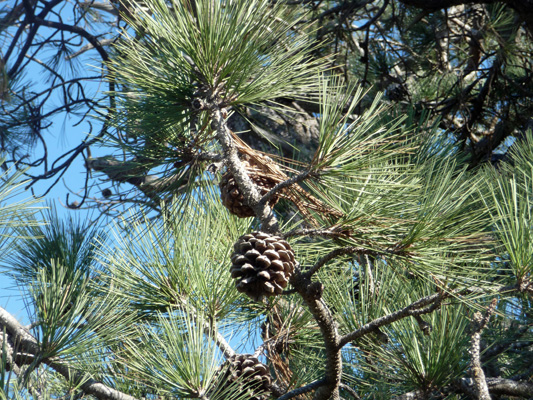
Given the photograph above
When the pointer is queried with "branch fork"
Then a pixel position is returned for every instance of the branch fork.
(249, 190)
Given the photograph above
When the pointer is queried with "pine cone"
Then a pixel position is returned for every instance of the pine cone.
(262, 264)
(232, 197)
(244, 373)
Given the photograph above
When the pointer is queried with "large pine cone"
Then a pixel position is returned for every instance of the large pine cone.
(244, 373)
(232, 197)
(262, 264)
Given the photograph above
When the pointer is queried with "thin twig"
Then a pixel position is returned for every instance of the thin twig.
(304, 389)
(313, 232)
(352, 392)
(285, 184)
(334, 254)
(209, 330)
(328, 257)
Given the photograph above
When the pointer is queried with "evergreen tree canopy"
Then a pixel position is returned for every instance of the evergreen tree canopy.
(317, 208)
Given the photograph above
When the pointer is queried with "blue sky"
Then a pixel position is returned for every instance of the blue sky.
(10, 294)
(63, 134)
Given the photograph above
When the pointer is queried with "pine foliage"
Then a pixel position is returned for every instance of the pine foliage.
(375, 275)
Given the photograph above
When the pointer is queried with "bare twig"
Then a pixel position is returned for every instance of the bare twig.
(304, 389)
(430, 304)
(330, 256)
(282, 185)
(424, 326)
(89, 46)
(352, 392)
(313, 232)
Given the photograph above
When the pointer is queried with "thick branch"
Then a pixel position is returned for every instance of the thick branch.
(505, 387)
(477, 373)
(498, 349)
(435, 5)
(311, 292)
(29, 344)
(509, 387)
(9, 353)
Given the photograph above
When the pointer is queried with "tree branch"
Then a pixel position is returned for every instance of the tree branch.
(352, 392)
(304, 389)
(332, 255)
(311, 292)
(523, 8)
(282, 185)
(505, 387)
(331, 232)
(249, 190)
(102, 6)
(29, 344)
(435, 5)
(477, 373)
(432, 302)
(9, 352)
(510, 388)
(77, 30)
(414, 395)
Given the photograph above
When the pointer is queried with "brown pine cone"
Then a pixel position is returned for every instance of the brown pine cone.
(262, 264)
(245, 374)
(232, 197)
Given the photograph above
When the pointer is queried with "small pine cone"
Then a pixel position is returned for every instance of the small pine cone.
(244, 373)
(262, 264)
(233, 199)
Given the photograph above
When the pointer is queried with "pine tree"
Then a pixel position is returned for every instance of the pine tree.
(383, 267)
